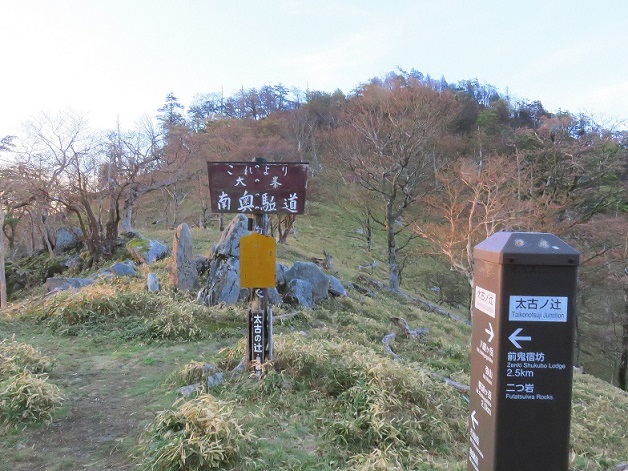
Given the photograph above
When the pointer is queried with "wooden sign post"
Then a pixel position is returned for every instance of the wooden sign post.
(258, 188)
(522, 352)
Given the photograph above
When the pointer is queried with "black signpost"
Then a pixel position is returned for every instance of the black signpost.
(522, 353)
(258, 188)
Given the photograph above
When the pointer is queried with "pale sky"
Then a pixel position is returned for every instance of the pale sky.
(120, 58)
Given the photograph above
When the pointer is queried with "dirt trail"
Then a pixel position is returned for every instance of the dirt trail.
(103, 422)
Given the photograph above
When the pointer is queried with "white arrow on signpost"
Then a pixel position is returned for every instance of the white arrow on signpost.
(490, 332)
(474, 421)
(515, 338)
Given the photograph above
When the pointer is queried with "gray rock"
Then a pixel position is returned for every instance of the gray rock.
(202, 265)
(156, 251)
(187, 391)
(299, 291)
(119, 269)
(57, 283)
(68, 239)
(223, 284)
(152, 283)
(620, 467)
(311, 273)
(146, 250)
(214, 375)
(280, 274)
(274, 297)
(215, 379)
(183, 273)
(229, 243)
(74, 261)
(126, 268)
(335, 286)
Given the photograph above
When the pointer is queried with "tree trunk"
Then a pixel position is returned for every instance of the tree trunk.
(111, 231)
(3, 282)
(113, 221)
(127, 221)
(45, 233)
(393, 267)
(622, 375)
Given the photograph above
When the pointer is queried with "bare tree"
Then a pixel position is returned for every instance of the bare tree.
(62, 159)
(473, 201)
(387, 142)
(139, 163)
(5, 144)
(3, 280)
(602, 321)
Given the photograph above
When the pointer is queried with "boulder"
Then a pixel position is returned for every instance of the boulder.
(74, 261)
(126, 268)
(310, 272)
(335, 286)
(229, 242)
(299, 291)
(202, 265)
(223, 284)
(280, 274)
(183, 273)
(187, 391)
(68, 239)
(147, 251)
(274, 297)
(213, 374)
(56, 283)
(119, 269)
(152, 283)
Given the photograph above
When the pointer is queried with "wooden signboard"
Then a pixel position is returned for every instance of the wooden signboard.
(256, 187)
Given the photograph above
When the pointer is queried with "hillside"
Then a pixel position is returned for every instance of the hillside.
(335, 399)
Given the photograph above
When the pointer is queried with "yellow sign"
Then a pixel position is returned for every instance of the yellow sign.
(257, 261)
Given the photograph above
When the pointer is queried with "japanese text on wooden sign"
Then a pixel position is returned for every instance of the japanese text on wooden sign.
(252, 187)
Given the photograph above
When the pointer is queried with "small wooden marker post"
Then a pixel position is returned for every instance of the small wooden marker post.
(258, 264)
(258, 188)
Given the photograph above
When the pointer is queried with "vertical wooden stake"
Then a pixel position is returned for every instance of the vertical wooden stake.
(260, 307)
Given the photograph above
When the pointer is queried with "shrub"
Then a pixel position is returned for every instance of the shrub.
(17, 356)
(97, 304)
(193, 372)
(202, 433)
(176, 321)
(28, 397)
(375, 401)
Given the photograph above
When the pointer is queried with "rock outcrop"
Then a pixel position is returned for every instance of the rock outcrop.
(147, 251)
(223, 283)
(68, 239)
(183, 272)
(303, 284)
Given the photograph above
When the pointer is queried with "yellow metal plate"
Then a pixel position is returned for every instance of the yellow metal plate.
(258, 261)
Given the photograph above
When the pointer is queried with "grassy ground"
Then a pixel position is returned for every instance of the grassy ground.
(333, 400)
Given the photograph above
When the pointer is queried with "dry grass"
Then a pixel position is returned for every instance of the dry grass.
(27, 397)
(202, 433)
(375, 402)
(17, 356)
